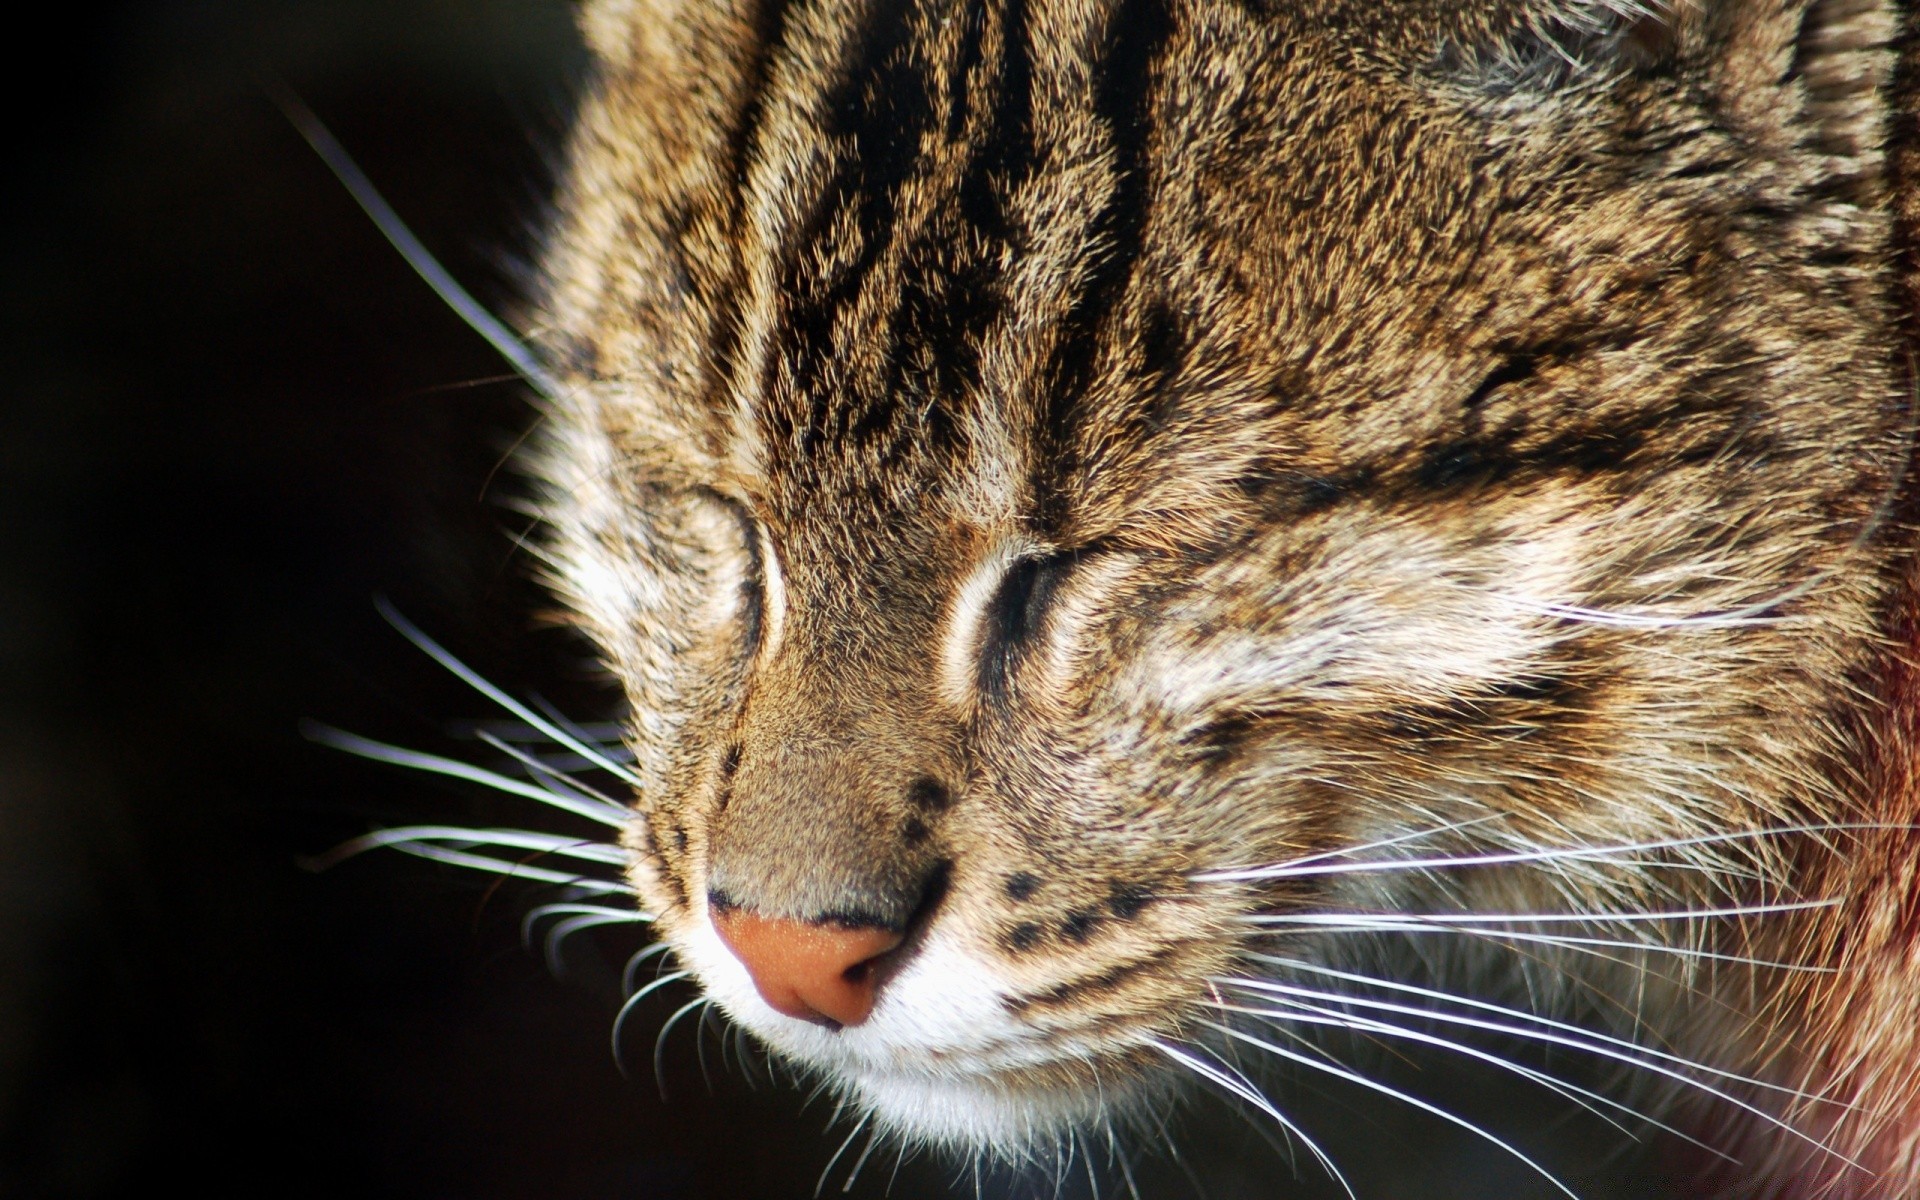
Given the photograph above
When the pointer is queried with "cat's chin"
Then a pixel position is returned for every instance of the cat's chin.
(1007, 1117)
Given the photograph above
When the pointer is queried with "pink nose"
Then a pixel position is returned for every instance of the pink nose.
(816, 972)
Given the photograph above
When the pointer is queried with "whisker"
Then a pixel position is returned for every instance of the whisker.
(821, 1184)
(562, 930)
(474, 680)
(592, 914)
(629, 977)
(1314, 864)
(556, 779)
(1381, 844)
(700, 1045)
(633, 1001)
(1476, 918)
(873, 1140)
(518, 870)
(1585, 945)
(1387, 1090)
(1573, 1092)
(399, 756)
(520, 733)
(1533, 1018)
(1539, 1035)
(1119, 1157)
(552, 712)
(507, 343)
(660, 1042)
(467, 836)
(1252, 1095)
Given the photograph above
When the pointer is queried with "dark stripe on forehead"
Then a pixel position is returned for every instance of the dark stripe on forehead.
(914, 104)
(1137, 31)
(953, 291)
(770, 26)
(874, 116)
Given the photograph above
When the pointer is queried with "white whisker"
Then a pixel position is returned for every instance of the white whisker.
(1404, 1097)
(562, 930)
(399, 756)
(1573, 1092)
(1252, 1095)
(660, 1042)
(519, 732)
(1250, 873)
(556, 779)
(820, 1184)
(1539, 1035)
(473, 679)
(507, 343)
(626, 1009)
(629, 977)
(1399, 920)
(1315, 864)
(1577, 944)
(1531, 1018)
(480, 862)
(463, 836)
(873, 1139)
(606, 914)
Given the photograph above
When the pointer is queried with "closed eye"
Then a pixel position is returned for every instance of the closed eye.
(1018, 612)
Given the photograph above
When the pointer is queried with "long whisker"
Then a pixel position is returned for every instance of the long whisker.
(521, 733)
(562, 930)
(474, 680)
(873, 1139)
(1477, 918)
(629, 977)
(1386, 1090)
(821, 1184)
(353, 743)
(633, 1001)
(1222, 1078)
(1538, 1035)
(466, 836)
(1582, 945)
(1400, 839)
(532, 920)
(1534, 1019)
(1315, 864)
(660, 1041)
(480, 862)
(504, 340)
(555, 778)
(1587, 1099)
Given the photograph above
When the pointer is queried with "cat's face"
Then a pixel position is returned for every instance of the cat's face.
(1024, 460)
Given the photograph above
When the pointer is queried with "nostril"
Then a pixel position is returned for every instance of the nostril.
(820, 971)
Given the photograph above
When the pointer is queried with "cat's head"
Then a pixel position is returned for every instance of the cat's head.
(1029, 461)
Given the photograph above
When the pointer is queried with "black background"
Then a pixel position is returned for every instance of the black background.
(231, 418)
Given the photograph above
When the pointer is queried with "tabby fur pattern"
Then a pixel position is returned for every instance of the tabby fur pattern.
(1040, 467)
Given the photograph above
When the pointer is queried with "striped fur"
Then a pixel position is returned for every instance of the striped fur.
(1030, 460)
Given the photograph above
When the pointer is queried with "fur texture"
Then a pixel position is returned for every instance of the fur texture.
(1095, 484)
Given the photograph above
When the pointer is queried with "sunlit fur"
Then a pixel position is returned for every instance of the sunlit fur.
(1093, 483)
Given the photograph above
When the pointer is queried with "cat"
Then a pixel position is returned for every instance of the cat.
(1142, 534)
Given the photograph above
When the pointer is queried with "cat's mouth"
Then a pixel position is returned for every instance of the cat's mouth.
(943, 1058)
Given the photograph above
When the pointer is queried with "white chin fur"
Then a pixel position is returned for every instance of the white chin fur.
(936, 1063)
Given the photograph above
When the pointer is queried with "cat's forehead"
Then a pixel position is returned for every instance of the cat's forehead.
(1028, 268)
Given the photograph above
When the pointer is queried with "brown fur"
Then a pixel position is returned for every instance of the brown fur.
(1022, 458)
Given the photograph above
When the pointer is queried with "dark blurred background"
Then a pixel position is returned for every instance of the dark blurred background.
(232, 417)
